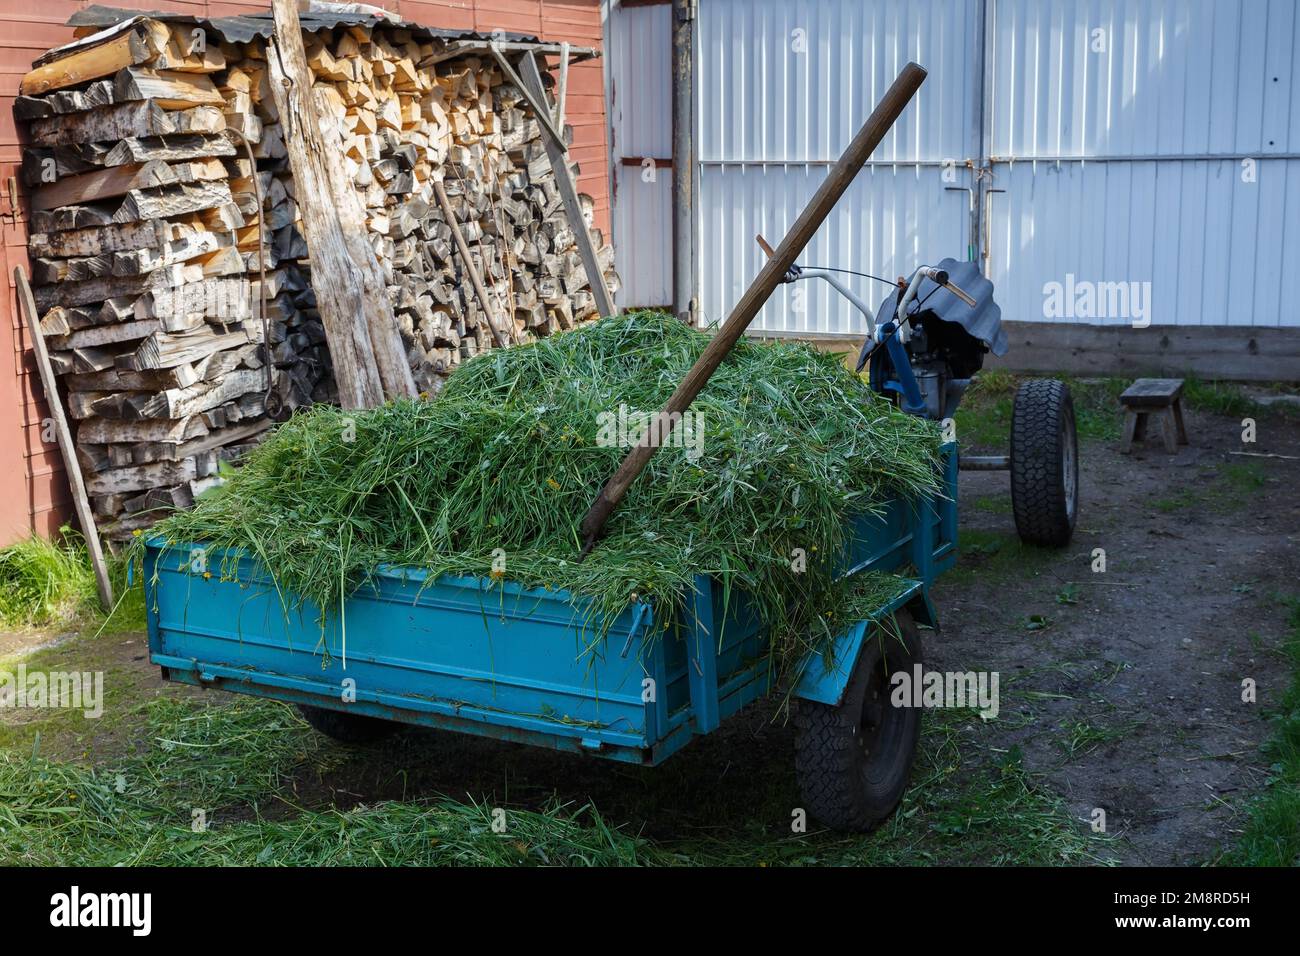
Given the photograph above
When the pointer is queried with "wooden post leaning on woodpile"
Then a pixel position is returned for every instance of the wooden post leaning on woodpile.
(348, 306)
(67, 448)
(564, 180)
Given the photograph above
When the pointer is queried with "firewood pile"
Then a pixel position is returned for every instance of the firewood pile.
(172, 270)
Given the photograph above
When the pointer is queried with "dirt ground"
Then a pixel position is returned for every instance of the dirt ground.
(1130, 700)
(1120, 690)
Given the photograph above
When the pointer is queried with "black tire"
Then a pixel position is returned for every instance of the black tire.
(1044, 463)
(347, 728)
(854, 761)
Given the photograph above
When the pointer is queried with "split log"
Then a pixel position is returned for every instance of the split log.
(335, 278)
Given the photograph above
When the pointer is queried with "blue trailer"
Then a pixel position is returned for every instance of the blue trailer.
(489, 657)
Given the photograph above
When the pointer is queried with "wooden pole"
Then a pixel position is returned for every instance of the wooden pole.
(841, 175)
(532, 78)
(463, 248)
(70, 464)
(385, 340)
(335, 277)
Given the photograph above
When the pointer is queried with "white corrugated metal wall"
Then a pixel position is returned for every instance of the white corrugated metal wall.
(1134, 141)
(639, 94)
(784, 85)
(1179, 127)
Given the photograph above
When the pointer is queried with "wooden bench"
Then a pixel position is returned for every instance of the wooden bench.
(1154, 396)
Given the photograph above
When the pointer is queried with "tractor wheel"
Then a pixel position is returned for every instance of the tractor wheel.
(854, 760)
(347, 728)
(1044, 463)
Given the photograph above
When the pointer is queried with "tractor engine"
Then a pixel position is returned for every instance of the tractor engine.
(945, 339)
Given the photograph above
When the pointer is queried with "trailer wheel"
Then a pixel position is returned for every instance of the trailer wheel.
(854, 760)
(347, 728)
(1044, 463)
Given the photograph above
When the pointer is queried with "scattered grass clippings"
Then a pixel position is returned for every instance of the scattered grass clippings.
(503, 464)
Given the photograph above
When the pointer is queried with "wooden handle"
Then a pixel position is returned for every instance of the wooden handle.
(844, 171)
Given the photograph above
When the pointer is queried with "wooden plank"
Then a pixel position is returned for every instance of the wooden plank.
(169, 201)
(103, 184)
(103, 59)
(1152, 391)
(171, 91)
(71, 465)
(106, 334)
(1218, 352)
(534, 94)
(532, 79)
(110, 123)
(106, 287)
(107, 431)
(138, 149)
(166, 350)
(141, 477)
(98, 240)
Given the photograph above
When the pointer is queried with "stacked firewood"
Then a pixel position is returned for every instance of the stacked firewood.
(171, 268)
(141, 281)
(408, 122)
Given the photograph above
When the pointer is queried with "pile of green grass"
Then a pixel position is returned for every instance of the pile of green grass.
(236, 761)
(503, 465)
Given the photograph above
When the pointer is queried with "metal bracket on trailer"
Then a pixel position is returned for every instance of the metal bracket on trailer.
(824, 681)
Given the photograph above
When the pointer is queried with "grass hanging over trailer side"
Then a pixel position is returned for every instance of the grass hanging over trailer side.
(503, 465)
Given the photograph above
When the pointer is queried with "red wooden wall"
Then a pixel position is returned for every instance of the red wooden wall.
(33, 491)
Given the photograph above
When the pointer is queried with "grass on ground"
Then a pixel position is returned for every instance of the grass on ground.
(49, 583)
(239, 761)
(1272, 833)
(984, 417)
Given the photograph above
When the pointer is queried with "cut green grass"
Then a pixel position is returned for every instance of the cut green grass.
(208, 786)
(50, 583)
(200, 795)
(1272, 831)
(1079, 738)
(785, 445)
